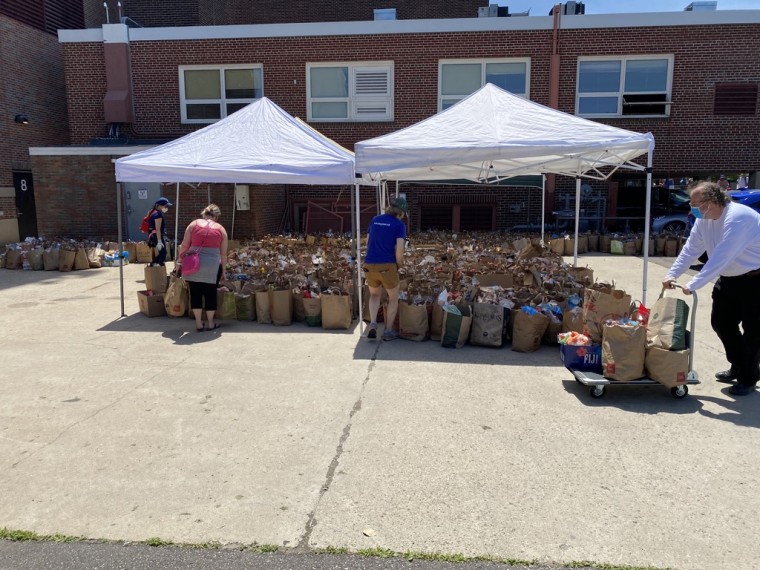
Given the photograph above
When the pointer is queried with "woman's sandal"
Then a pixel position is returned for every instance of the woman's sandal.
(216, 326)
(200, 329)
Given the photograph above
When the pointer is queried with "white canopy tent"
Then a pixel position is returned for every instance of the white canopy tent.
(492, 135)
(259, 144)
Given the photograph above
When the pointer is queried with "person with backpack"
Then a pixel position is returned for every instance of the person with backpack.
(157, 230)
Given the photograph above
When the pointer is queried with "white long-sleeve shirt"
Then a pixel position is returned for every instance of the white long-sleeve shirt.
(732, 243)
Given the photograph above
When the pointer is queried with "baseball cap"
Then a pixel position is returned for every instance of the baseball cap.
(722, 176)
(164, 202)
(400, 203)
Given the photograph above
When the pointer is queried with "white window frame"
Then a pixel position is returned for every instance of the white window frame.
(222, 101)
(620, 93)
(357, 104)
(482, 62)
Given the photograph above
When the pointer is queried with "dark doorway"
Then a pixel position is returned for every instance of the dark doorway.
(26, 211)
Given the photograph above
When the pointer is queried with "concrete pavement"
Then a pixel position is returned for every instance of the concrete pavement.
(132, 428)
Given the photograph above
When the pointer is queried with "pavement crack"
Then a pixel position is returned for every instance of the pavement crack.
(303, 543)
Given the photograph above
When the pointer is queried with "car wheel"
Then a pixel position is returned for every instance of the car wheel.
(674, 227)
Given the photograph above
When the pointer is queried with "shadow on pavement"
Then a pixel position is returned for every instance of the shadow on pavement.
(654, 399)
(739, 410)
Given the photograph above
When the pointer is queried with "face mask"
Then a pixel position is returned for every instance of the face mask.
(697, 213)
(164, 210)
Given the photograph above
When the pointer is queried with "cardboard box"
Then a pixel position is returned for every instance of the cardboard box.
(151, 305)
(505, 280)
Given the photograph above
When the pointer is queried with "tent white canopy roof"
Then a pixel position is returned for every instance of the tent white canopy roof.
(493, 134)
(259, 144)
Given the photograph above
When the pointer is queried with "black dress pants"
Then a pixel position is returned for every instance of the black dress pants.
(736, 301)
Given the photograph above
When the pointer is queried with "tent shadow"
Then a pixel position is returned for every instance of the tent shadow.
(432, 351)
(651, 399)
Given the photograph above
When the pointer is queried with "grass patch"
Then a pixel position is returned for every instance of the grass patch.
(28, 536)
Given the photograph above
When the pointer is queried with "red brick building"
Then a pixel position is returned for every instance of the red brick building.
(690, 78)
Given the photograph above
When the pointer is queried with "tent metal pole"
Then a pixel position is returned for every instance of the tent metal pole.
(119, 238)
(234, 204)
(354, 243)
(543, 209)
(176, 226)
(647, 214)
(359, 290)
(396, 188)
(577, 218)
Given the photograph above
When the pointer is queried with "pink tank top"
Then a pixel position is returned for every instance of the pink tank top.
(200, 238)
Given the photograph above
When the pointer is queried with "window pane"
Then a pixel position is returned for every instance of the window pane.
(334, 110)
(204, 111)
(599, 76)
(202, 84)
(329, 81)
(446, 103)
(232, 107)
(508, 76)
(460, 78)
(646, 75)
(241, 84)
(595, 105)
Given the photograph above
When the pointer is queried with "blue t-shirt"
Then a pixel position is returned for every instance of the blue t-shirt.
(155, 215)
(384, 230)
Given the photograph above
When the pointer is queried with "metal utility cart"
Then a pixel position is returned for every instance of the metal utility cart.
(599, 383)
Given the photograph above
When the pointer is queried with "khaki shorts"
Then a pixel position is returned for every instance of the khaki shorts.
(385, 274)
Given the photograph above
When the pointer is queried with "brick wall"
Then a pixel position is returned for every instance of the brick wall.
(223, 12)
(691, 140)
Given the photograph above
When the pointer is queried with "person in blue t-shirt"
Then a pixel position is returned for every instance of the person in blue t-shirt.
(385, 254)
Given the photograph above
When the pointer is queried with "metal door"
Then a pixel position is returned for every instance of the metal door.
(26, 211)
(139, 198)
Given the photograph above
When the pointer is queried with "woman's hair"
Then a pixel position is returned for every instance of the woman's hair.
(395, 211)
(710, 192)
(211, 211)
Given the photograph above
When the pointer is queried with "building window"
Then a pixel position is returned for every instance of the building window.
(630, 86)
(459, 78)
(208, 94)
(735, 99)
(350, 91)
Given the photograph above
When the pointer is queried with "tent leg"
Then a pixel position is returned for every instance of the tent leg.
(577, 218)
(176, 226)
(119, 238)
(647, 214)
(359, 290)
(234, 204)
(543, 209)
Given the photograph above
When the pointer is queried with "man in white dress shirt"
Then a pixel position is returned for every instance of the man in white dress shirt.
(730, 234)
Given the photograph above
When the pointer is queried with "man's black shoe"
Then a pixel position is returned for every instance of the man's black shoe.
(741, 389)
(727, 376)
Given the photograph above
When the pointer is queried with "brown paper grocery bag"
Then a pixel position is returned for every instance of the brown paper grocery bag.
(528, 330)
(456, 327)
(668, 319)
(312, 311)
(623, 351)
(226, 305)
(155, 278)
(245, 307)
(50, 259)
(488, 322)
(583, 275)
(414, 321)
(582, 243)
(143, 252)
(668, 367)
(298, 312)
(34, 258)
(65, 260)
(557, 245)
(177, 297)
(671, 247)
(131, 248)
(593, 242)
(263, 313)
(336, 311)
(569, 246)
(80, 260)
(281, 307)
(605, 243)
(572, 320)
(598, 305)
(436, 322)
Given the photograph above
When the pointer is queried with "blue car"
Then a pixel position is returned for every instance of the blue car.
(749, 198)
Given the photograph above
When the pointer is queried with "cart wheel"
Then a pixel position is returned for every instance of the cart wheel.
(679, 391)
(597, 391)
